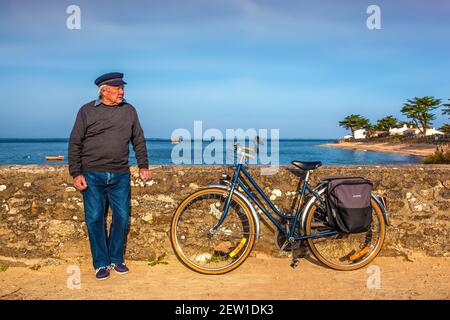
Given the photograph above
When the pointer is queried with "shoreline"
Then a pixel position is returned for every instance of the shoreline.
(420, 150)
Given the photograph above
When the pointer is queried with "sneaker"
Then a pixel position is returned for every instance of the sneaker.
(102, 273)
(120, 268)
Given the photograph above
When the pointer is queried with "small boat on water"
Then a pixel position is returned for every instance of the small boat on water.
(54, 158)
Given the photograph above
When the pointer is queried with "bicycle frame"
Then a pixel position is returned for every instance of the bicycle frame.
(289, 234)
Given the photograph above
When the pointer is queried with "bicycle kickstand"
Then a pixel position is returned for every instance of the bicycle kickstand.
(295, 260)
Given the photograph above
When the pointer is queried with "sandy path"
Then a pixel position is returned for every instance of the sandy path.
(259, 277)
(421, 150)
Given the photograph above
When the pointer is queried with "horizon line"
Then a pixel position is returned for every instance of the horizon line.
(168, 139)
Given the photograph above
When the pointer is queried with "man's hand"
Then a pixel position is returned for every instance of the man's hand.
(79, 182)
(144, 174)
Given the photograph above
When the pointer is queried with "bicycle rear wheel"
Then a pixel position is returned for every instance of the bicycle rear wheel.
(206, 252)
(345, 251)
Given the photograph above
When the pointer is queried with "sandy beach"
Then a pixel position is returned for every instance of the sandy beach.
(421, 150)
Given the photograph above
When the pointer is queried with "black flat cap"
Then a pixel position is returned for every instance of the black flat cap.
(110, 79)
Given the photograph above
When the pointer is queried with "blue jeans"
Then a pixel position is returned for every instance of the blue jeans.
(103, 189)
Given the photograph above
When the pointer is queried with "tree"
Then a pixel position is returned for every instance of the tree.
(354, 122)
(446, 109)
(419, 111)
(386, 123)
(402, 123)
(445, 128)
(370, 130)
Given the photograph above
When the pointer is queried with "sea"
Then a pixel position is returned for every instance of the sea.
(163, 152)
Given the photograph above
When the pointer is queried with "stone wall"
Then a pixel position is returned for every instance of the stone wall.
(41, 214)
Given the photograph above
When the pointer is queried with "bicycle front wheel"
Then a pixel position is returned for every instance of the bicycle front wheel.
(212, 253)
(345, 251)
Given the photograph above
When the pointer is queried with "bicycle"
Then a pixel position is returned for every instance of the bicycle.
(214, 229)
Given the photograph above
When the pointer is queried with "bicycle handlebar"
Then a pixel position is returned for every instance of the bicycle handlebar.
(241, 154)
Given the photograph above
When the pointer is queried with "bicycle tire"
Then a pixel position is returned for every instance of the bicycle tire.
(366, 257)
(245, 217)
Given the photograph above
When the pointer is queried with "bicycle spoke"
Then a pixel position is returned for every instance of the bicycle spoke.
(344, 250)
(209, 250)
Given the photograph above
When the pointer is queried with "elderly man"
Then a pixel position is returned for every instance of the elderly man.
(98, 163)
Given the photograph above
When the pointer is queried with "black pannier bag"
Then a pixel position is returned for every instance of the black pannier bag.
(348, 204)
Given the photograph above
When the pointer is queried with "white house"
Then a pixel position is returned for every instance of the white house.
(428, 132)
(433, 131)
(360, 134)
(413, 131)
(400, 131)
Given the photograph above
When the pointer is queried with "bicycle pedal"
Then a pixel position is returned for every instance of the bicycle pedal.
(286, 243)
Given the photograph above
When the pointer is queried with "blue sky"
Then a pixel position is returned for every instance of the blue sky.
(297, 66)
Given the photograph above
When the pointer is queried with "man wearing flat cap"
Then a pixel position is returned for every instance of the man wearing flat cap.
(98, 163)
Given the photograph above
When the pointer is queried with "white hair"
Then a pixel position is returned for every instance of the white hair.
(100, 89)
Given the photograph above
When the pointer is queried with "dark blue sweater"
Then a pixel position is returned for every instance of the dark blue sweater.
(100, 139)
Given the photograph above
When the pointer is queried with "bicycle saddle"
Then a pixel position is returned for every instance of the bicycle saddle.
(307, 165)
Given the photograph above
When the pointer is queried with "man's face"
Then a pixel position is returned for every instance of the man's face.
(114, 94)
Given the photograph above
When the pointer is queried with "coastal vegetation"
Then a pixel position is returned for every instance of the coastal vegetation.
(445, 128)
(384, 124)
(440, 156)
(354, 122)
(446, 110)
(420, 112)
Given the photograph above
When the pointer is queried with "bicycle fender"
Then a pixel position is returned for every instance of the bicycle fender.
(383, 208)
(308, 205)
(247, 202)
